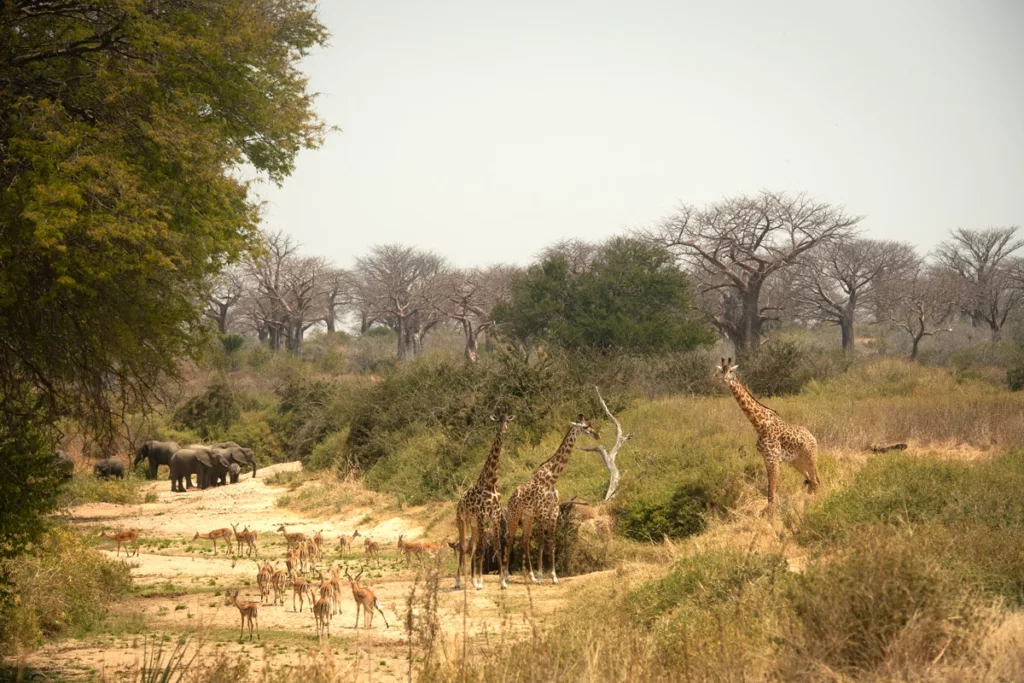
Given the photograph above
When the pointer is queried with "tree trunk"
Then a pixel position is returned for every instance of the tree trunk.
(330, 320)
(913, 347)
(748, 337)
(402, 338)
(846, 327)
(364, 323)
(472, 354)
(997, 331)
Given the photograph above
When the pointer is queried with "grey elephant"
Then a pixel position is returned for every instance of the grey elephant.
(109, 467)
(157, 453)
(239, 454)
(233, 471)
(184, 463)
(213, 466)
(64, 463)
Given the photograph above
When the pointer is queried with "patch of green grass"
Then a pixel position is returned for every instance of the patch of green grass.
(85, 487)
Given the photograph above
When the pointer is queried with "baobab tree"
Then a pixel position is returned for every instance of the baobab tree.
(225, 290)
(925, 303)
(835, 281)
(981, 260)
(735, 245)
(391, 283)
(467, 297)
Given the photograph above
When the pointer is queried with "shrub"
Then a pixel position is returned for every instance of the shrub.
(59, 584)
(700, 581)
(881, 602)
(1015, 374)
(210, 412)
(682, 515)
(85, 487)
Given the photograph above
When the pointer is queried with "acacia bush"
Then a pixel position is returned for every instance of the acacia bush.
(59, 583)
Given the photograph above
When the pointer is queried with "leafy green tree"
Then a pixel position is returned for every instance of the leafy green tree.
(630, 296)
(122, 126)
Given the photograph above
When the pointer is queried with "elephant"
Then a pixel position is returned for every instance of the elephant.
(214, 465)
(233, 470)
(158, 453)
(109, 467)
(239, 454)
(184, 463)
(64, 463)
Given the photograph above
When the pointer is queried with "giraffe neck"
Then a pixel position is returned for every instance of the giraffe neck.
(755, 412)
(548, 473)
(489, 476)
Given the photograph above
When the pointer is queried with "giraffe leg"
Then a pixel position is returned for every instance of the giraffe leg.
(552, 528)
(542, 542)
(513, 523)
(527, 538)
(772, 466)
(461, 523)
(474, 548)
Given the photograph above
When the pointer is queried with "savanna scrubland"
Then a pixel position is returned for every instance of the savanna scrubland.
(141, 299)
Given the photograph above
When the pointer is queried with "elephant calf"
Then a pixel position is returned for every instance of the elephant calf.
(109, 467)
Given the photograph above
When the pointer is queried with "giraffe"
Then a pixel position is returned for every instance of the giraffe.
(478, 506)
(538, 499)
(777, 441)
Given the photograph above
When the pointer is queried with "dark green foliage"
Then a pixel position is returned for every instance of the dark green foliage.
(1015, 374)
(632, 298)
(232, 342)
(30, 481)
(783, 367)
(457, 399)
(122, 125)
(682, 515)
(211, 412)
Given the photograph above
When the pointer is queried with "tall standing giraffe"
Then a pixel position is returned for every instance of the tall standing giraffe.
(538, 498)
(479, 506)
(777, 440)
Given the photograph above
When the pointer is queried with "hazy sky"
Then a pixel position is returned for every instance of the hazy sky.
(485, 130)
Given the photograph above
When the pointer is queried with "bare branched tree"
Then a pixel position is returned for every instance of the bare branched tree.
(337, 296)
(734, 246)
(467, 297)
(579, 254)
(836, 281)
(391, 284)
(926, 301)
(225, 292)
(286, 292)
(610, 457)
(981, 259)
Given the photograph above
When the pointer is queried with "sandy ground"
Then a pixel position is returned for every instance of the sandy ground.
(181, 586)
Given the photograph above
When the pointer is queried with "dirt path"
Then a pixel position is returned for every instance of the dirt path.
(180, 588)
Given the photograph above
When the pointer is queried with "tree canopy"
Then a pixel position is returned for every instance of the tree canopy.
(122, 127)
(631, 296)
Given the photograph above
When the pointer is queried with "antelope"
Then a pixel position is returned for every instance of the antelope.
(222, 534)
(365, 598)
(124, 538)
(247, 537)
(418, 548)
(292, 539)
(303, 591)
(291, 563)
(322, 613)
(313, 553)
(249, 613)
(318, 538)
(263, 580)
(346, 542)
(372, 549)
(277, 584)
(336, 590)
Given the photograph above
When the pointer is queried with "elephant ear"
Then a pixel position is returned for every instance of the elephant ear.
(222, 455)
(249, 457)
(203, 456)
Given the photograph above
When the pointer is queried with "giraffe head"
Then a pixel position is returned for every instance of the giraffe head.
(727, 371)
(581, 426)
(502, 418)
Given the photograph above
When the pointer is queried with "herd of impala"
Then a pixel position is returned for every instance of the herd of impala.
(303, 556)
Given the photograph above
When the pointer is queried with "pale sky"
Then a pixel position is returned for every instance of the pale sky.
(484, 130)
